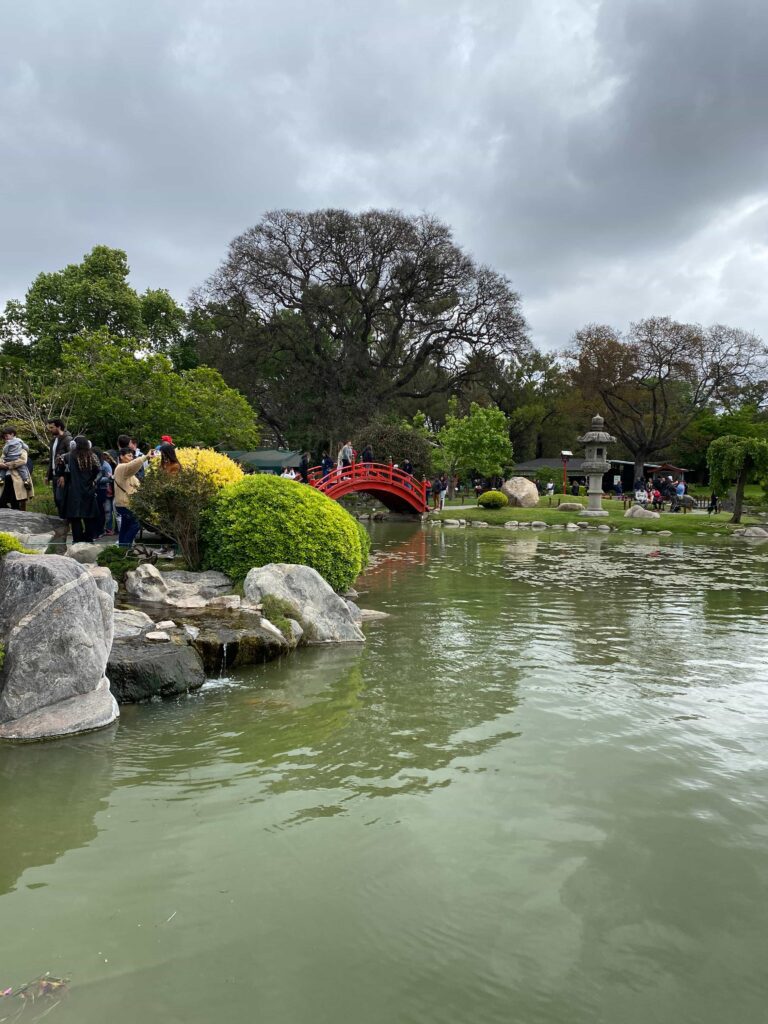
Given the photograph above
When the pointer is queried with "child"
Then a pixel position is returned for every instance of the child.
(12, 450)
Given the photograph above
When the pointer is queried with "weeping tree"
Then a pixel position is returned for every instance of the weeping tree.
(731, 458)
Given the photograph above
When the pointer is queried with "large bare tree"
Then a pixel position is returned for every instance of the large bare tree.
(325, 317)
(654, 379)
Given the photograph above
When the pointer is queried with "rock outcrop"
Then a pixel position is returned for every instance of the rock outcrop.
(140, 669)
(638, 512)
(325, 617)
(179, 589)
(56, 627)
(34, 530)
(522, 493)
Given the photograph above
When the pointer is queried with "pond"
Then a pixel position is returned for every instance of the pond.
(538, 794)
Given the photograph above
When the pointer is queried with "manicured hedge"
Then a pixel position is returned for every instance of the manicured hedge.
(265, 519)
(492, 499)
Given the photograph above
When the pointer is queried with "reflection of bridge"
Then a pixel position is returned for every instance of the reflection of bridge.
(399, 491)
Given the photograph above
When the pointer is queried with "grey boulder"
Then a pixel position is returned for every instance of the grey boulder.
(83, 713)
(570, 506)
(521, 492)
(140, 670)
(179, 589)
(131, 622)
(325, 617)
(638, 512)
(85, 553)
(56, 626)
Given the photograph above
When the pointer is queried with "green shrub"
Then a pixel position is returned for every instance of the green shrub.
(492, 499)
(9, 543)
(265, 519)
(173, 505)
(118, 560)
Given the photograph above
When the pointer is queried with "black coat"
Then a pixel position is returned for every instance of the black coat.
(80, 489)
(62, 451)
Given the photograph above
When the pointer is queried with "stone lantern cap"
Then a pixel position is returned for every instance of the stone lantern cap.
(597, 435)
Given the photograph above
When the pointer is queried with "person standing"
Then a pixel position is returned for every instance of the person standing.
(126, 484)
(346, 455)
(407, 466)
(59, 447)
(326, 464)
(169, 462)
(443, 490)
(367, 455)
(304, 468)
(17, 486)
(79, 481)
(436, 492)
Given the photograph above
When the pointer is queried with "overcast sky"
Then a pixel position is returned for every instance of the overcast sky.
(610, 157)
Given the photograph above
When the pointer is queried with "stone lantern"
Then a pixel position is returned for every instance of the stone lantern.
(595, 464)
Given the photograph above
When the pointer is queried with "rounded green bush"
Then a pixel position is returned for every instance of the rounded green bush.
(492, 499)
(10, 543)
(264, 519)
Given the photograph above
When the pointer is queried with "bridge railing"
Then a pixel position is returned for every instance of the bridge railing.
(384, 473)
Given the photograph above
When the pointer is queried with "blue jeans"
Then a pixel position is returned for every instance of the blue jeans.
(129, 526)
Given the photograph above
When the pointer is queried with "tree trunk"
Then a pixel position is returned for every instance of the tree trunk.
(639, 470)
(738, 499)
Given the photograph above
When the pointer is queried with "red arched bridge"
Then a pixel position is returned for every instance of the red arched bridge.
(399, 491)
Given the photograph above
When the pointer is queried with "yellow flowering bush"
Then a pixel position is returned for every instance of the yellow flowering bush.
(215, 465)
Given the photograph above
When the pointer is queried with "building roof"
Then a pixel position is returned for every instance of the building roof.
(267, 458)
(575, 464)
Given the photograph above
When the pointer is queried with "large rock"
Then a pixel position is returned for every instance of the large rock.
(638, 512)
(179, 589)
(570, 506)
(104, 579)
(207, 584)
(139, 670)
(83, 713)
(244, 640)
(757, 532)
(324, 615)
(14, 521)
(86, 554)
(131, 622)
(56, 626)
(522, 493)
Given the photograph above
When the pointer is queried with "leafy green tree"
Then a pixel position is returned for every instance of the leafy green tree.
(85, 297)
(113, 390)
(478, 441)
(731, 458)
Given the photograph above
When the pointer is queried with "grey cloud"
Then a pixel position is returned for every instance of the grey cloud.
(592, 151)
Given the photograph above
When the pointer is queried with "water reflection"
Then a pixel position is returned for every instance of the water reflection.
(50, 794)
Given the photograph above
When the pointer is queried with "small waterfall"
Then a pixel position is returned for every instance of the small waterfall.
(223, 659)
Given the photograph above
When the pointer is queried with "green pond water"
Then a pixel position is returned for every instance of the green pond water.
(539, 793)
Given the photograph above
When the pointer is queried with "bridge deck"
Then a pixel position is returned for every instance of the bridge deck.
(397, 490)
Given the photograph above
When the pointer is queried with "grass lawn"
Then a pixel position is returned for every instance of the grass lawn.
(689, 523)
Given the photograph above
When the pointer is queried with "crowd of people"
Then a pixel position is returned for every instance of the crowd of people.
(655, 491)
(91, 488)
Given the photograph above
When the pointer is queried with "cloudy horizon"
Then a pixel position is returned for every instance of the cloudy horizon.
(609, 157)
